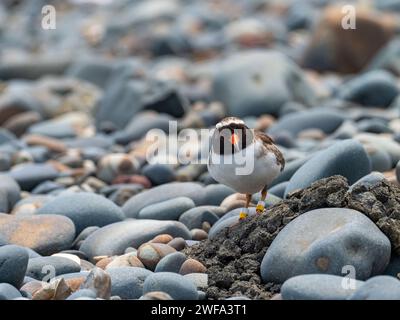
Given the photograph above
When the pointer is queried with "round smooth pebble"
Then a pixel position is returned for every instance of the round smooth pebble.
(159, 173)
(192, 266)
(141, 124)
(368, 181)
(256, 82)
(162, 238)
(84, 209)
(177, 243)
(198, 234)
(5, 161)
(83, 235)
(43, 234)
(127, 282)
(361, 89)
(126, 260)
(374, 126)
(229, 219)
(171, 262)
(319, 287)
(164, 192)
(131, 233)
(378, 288)
(151, 253)
(195, 217)
(382, 142)
(29, 205)
(167, 210)
(29, 175)
(226, 223)
(69, 256)
(380, 159)
(177, 286)
(326, 120)
(39, 268)
(290, 168)
(86, 265)
(347, 158)
(47, 187)
(32, 253)
(324, 241)
(9, 193)
(130, 250)
(73, 254)
(234, 201)
(13, 264)
(104, 262)
(216, 193)
(8, 292)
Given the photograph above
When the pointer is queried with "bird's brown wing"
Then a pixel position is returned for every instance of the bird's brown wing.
(270, 146)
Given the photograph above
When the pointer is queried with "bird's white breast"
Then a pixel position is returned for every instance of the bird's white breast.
(254, 171)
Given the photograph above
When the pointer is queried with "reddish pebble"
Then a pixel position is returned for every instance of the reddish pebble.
(104, 262)
(151, 253)
(178, 243)
(192, 266)
(126, 260)
(162, 238)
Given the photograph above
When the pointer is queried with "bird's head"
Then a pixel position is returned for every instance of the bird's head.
(231, 135)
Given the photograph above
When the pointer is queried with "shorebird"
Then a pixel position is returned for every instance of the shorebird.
(231, 141)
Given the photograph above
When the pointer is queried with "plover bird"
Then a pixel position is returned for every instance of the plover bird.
(233, 147)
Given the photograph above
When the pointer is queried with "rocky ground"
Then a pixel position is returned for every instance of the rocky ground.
(89, 211)
(233, 256)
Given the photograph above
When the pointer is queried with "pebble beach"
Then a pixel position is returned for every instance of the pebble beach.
(93, 207)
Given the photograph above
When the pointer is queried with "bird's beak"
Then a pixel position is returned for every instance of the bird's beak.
(235, 141)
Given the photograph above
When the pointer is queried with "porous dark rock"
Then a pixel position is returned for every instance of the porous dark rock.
(233, 256)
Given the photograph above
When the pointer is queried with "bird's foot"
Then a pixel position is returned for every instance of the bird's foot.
(260, 207)
(243, 214)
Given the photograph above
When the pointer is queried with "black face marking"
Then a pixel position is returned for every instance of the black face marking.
(221, 145)
(222, 138)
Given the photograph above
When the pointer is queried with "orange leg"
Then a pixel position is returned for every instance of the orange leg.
(261, 204)
(245, 212)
